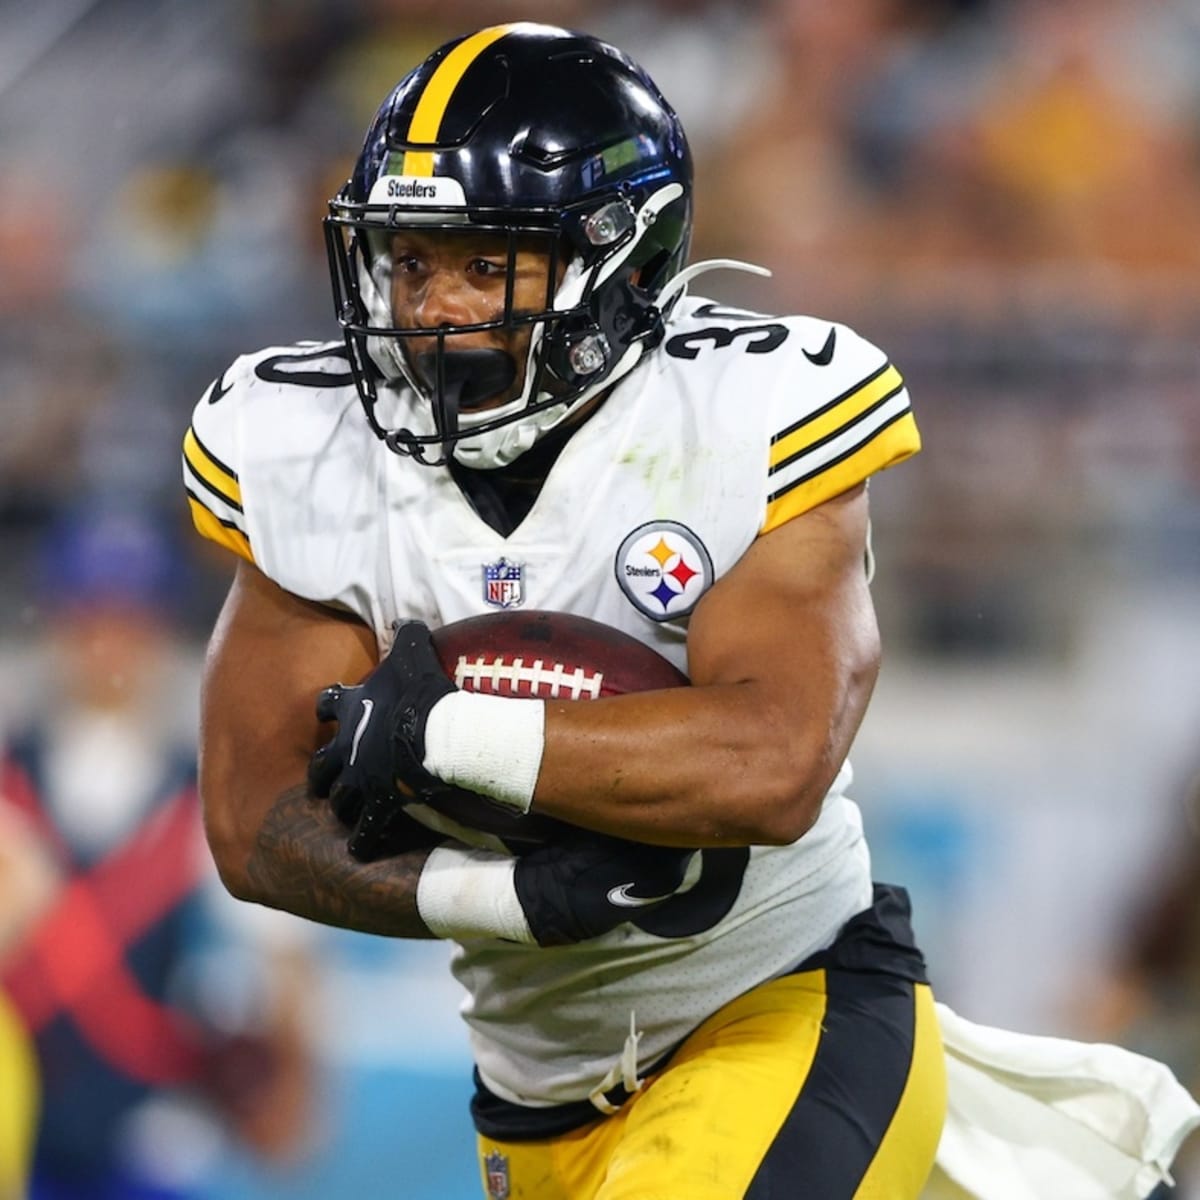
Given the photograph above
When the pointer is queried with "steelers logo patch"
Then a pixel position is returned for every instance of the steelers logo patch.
(663, 568)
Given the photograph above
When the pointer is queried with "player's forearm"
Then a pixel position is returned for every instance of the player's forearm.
(715, 766)
(299, 863)
(721, 764)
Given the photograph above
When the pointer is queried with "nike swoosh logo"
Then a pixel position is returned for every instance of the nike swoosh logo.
(217, 391)
(824, 356)
(622, 899)
(363, 721)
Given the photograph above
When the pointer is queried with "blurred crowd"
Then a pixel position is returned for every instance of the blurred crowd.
(1003, 193)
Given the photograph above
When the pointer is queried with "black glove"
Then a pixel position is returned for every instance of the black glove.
(588, 884)
(373, 765)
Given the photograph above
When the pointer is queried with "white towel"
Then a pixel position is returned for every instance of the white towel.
(1040, 1118)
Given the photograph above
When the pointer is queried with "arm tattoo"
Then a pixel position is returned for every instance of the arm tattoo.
(300, 864)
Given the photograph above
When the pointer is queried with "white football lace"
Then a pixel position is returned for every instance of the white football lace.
(541, 680)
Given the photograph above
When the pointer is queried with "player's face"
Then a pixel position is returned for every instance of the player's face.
(441, 280)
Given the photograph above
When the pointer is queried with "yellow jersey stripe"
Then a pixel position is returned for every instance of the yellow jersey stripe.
(211, 470)
(886, 446)
(835, 416)
(431, 107)
(216, 530)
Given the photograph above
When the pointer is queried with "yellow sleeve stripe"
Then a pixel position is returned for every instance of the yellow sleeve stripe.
(211, 471)
(884, 447)
(830, 419)
(216, 530)
(435, 99)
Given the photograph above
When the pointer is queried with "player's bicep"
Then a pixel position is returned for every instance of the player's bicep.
(797, 589)
(794, 619)
(269, 656)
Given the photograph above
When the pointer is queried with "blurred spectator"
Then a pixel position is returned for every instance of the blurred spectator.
(146, 1034)
(787, 188)
(54, 364)
(1075, 137)
(973, 159)
(709, 58)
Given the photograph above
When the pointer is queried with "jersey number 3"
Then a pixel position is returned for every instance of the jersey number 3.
(754, 339)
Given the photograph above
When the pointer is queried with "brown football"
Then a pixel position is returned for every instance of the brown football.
(540, 655)
(549, 656)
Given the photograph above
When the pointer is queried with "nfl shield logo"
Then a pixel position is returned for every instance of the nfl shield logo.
(495, 1167)
(504, 584)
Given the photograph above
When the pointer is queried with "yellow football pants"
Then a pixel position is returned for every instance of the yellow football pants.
(819, 1086)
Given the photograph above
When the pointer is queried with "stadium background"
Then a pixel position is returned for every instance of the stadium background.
(1002, 194)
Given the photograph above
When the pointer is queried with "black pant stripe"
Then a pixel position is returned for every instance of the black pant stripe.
(852, 1091)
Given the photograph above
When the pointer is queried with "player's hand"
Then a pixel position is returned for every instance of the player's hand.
(373, 765)
(581, 887)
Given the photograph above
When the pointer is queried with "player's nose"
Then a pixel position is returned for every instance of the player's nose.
(445, 300)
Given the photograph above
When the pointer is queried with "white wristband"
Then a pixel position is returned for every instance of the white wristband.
(464, 894)
(487, 744)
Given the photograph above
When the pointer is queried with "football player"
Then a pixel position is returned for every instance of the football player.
(701, 993)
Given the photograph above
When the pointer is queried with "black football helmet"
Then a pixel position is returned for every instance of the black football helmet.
(544, 138)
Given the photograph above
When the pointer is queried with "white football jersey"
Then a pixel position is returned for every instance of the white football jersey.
(733, 425)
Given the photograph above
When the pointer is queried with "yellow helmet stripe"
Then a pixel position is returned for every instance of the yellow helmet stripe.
(431, 107)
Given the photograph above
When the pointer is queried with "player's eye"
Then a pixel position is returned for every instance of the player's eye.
(406, 264)
(486, 267)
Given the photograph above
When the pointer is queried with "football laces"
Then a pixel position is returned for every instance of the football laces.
(499, 675)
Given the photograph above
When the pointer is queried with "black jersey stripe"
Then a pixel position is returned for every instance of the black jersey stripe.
(808, 418)
(212, 458)
(833, 434)
(209, 486)
(849, 452)
(227, 522)
(223, 467)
